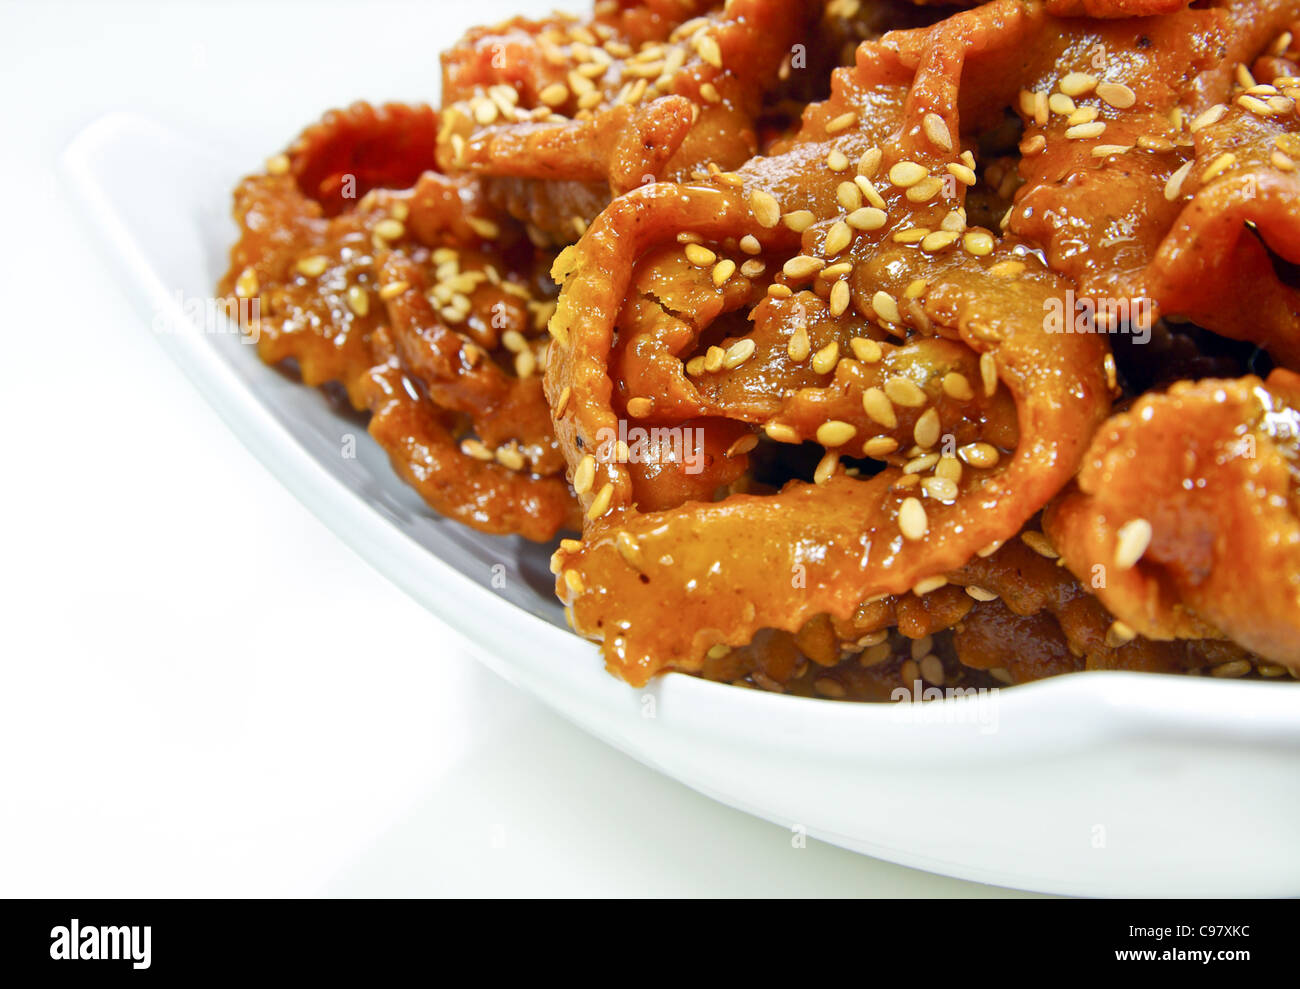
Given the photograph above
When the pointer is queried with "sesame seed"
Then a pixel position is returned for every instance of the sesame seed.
(1040, 108)
(750, 245)
(1236, 668)
(824, 360)
(1032, 145)
(829, 687)
(1082, 115)
(799, 347)
(1039, 543)
(927, 429)
(978, 242)
(885, 307)
(849, 196)
(919, 465)
(640, 406)
(915, 288)
(781, 432)
(723, 271)
(700, 256)
(779, 291)
(979, 454)
(767, 211)
(904, 391)
(1106, 150)
(1131, 541)
(956, 386)
(277, 165)
(879, 446)
(931, 667)
(476, 449)
(1077, 83)
(913, 235)
(390, 229)
(988, 373)
(798, 220)
(865, 350)
(628, 548)
(584, 475)
(738, 353)
(876, 404)
(600, 505)
(1083, 132)
(1211, 116)
(1061, 104)
(912, 520)
(525, 364)
(1174, 187)
(707, 47)
(939, 240)
(1116, 94)
(925, 189)
(936, 129)
(1282, 162)
(1220, 165)
(939, 488)
(907, 173)
(509, 456)
(1149, 142)
(742, 446)
(574, 581)
(826, 467)
(1255, 105)
(1007, 269)
(867, 218)
(838, 237)
(920, 589)
(962, 173)
(247, 285)
(869, 192)
(802, 266)
(869, 163)
(841, 123)
(313, 266)
(837, 161)
(949, 468)
(835, 432)
(841, 296)
(713, 358)
(554, 95)
(980, 593)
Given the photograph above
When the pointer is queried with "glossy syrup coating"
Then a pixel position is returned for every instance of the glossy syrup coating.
(735, 310)
(811, 389)
(338, 239)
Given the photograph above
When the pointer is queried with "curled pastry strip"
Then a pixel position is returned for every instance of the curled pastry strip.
(1186, 519)
(1157, 177)
(1240, 225)
(556, 115)
(731, 567)
(332, 242)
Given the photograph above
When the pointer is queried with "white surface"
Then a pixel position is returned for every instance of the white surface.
(203, 691)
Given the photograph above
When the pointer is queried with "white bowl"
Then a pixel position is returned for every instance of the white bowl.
(1095, 783)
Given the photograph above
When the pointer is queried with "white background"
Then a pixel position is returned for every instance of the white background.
(202, 691)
